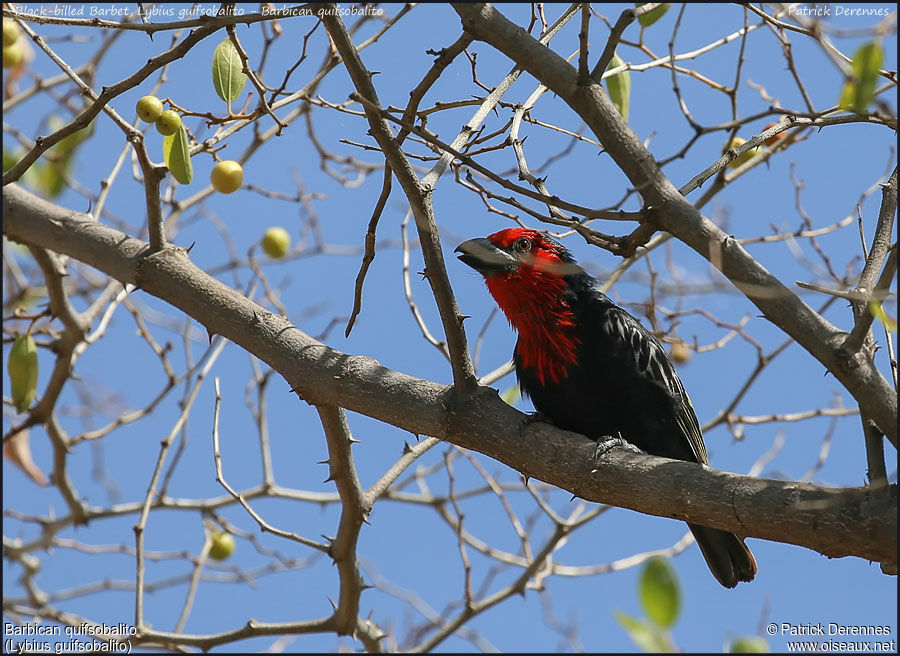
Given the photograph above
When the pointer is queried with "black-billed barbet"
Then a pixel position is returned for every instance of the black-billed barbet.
(592, 368)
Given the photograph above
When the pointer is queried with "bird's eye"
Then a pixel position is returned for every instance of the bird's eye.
(522, 244)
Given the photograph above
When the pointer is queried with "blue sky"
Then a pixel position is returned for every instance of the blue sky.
(408, 545)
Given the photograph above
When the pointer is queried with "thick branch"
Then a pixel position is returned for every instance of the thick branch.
(835, 522)
(419, 197)
(625, 19)
(881, 246)
(676, 215)
(354, 508)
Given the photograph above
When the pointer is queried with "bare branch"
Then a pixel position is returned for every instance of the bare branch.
(777, 510)
(419, 196)
(354, 509)
(676, 215)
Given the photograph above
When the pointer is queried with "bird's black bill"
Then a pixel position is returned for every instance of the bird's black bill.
(485, 257)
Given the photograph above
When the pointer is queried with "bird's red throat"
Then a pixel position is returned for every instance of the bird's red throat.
(534, 302)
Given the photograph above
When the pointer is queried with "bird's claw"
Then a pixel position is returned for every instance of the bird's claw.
(609, 442)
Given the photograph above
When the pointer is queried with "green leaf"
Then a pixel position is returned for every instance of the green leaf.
(659, 592)
(749, 645)
(177, 153)
(511, 394)
(866, 63)
(29, 177)
(848, 96)
(66, 147)
(648, 19)
(878, 312)
(22, 364)
(50, 175)
(619, 86)
(651, 639)
(228, 71)
(9, 160)
(856, 94)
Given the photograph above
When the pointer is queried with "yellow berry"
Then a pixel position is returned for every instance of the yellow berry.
(226, 177)
(222, 546)
(680, 352)
(168, 122)
(276, 242)
(149, 109)
(740, 159)
(10, 32)
(13, 55)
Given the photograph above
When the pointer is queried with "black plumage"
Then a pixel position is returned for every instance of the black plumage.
(590, 367)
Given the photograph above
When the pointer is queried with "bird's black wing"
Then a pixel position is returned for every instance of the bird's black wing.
(651, 362)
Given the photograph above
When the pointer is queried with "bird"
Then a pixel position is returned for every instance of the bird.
(592, 368)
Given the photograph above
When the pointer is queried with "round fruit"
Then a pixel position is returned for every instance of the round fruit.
(227, 176)
(276, 242)
(149, 109)
(10, 33)
(222, 546)
(740, 159)
(168, 122)
(680, 352)
(13, 55)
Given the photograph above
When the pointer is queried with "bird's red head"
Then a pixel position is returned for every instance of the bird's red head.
(527, 274)
(524, 240)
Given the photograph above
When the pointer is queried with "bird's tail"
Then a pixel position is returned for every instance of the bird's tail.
(727, 556)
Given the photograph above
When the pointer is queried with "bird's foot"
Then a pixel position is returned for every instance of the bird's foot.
(608, 442)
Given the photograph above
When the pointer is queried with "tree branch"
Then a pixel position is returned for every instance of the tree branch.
(626, 18)
(675, 214)
(354, 509)
(419, 196)
(101, 100)
(835, 522)
(881, 246)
